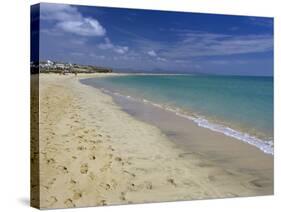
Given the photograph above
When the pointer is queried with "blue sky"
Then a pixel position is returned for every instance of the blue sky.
(156, 41)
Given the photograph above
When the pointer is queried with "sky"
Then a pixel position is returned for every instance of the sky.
(156, 41)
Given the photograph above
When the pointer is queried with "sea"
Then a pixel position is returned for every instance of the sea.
(237, 106)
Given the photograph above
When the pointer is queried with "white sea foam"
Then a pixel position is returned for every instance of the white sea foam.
(266, 146)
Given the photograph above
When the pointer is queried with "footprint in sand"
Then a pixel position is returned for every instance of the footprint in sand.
(92, 157)
(69, 203)
(148, 185)
(63, 169)
(91, 176)
(84, 168)
(171, 181)
(73, 182)
(51, 182)
(102, 202)
(50, 161)
(77, 195)
(133, 187)
(123, 196)
(52, 200)
(118, 159)
(110, 148)
(129, 173)
(80, 136)
(81, 148)
(105, 167)
(105, 186)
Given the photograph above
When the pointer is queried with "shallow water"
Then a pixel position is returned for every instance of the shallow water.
(240, 107)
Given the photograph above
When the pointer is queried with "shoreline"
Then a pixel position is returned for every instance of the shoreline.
(93, 153)
(179, 130)
(264, 144)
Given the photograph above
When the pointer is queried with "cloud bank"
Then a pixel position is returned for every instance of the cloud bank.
(70, 20)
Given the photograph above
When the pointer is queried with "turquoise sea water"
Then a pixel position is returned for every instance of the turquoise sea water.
(240, 107)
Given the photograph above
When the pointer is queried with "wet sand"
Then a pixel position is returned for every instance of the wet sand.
(216, 148)
(93, 153)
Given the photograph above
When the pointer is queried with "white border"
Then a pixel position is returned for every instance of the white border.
(14, 155)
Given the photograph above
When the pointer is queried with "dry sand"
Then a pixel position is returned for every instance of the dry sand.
(92, 153)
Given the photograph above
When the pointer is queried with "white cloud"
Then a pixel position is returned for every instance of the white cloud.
(200, 44)
(69, 19)
(152, 53)
(85, 27)
(106, 45)
(161, 59)
(121, 49)
(229, 61)
(102, 57)
(116, 48)
(59, 12)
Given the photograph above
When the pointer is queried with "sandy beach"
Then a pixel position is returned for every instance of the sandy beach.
(93, 153)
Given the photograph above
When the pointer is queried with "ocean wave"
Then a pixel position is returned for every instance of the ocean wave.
(266, 146)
